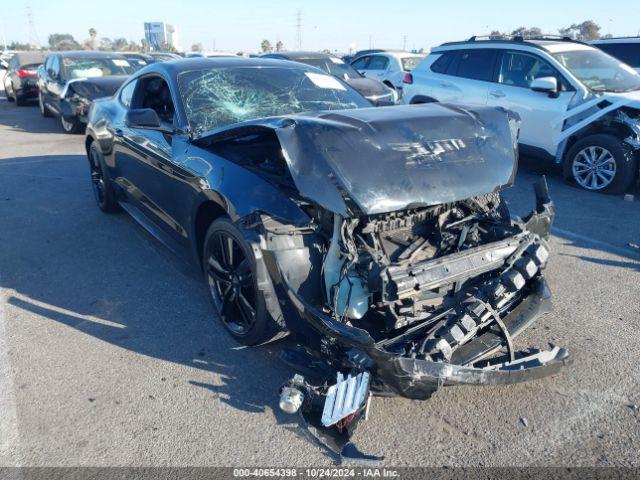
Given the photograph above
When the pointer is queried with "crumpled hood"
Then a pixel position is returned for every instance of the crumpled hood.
(377, 160)
(96, 87)
(369, 87)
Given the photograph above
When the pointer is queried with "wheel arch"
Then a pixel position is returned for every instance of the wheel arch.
(417, 99)
(205, 214)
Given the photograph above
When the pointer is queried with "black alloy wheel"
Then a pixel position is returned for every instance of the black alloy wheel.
(100, 183)
(229, 268)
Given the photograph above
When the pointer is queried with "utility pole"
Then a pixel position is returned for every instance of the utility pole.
(33, 34)
(299, 29)
(404, 42)
(370, 42)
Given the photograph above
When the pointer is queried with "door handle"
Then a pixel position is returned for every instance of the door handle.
(497, 94)
(118, 132)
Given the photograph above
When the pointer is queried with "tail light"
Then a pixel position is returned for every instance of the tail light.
(22, 73)
(408, 78)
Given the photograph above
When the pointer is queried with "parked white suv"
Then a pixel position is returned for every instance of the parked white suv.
(388, 66)
(578, 105)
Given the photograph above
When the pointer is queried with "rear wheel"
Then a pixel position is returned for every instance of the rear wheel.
(601, 163)
(101, 185)
(230, 271)
(43, 110)
(6, 94)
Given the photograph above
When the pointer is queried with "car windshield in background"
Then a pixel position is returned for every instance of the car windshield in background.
(96, 67)
(333, 66)
(409, 63)
(217, 97)
(599, 71)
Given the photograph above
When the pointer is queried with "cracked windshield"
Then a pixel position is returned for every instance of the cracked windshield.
(217, 97)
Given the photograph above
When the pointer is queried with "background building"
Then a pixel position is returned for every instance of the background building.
(161, 36)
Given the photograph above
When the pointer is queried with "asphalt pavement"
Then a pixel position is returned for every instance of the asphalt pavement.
(111, 354)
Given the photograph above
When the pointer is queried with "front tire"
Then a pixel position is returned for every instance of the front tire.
(43, 109)
(601, 163)
(71, 126)
(230, 272)
(103, 190)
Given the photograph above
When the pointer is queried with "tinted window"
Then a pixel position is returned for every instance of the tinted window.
(409, 63)
(361, 63)
(333, 66)
(216, 97)
(476, 64)
(442, 63)
(55, 66)
(127, 94)
(378, 62)
(519, 70)
(629, 53)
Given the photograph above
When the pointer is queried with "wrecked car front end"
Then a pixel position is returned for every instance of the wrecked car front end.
(410, 274)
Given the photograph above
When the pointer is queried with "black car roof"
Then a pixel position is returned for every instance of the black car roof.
(298, 55)
(176, 67)
(87, 54)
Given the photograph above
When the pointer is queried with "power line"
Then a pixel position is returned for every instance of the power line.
(299, 29)
(33, 34)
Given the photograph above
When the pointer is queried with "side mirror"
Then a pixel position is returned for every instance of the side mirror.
(548, 85)
(145, 118)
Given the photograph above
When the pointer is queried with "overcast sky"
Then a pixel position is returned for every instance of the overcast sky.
(334, 24)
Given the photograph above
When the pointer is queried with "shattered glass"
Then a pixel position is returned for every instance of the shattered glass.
(217, 97)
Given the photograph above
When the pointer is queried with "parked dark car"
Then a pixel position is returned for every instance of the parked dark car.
(376, 237)
(70, 81)
(138, 60)
(625, 49)
(20, 80)
(373, 90)
(359, 53)
(164, 56)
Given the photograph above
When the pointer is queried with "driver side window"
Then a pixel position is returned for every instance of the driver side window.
(519, 70)
(126, 95)
(153, 92)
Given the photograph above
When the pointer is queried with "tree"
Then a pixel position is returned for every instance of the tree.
(19, 46)
(62, 41)
(133, 46)
(106, 44)
(279, 46)
(196, 47)
(144, 45)
(496, 34)
(92, 38)
(527, 32)
(120, 44)
(266, 46)
(585, 31)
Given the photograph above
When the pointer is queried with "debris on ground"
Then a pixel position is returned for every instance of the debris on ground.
(524, 421)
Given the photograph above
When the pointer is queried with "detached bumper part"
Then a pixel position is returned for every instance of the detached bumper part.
(331, 415)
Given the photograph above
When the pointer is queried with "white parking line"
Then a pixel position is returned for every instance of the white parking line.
(624, 252)
(9, 433)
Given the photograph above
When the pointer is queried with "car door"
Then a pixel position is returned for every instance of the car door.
(467, 77)
(540, 113)
(360, 64)
(53, 84)
(377, 67)
(149, 162)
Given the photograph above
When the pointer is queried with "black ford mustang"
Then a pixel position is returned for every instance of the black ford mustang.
(376, 236)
